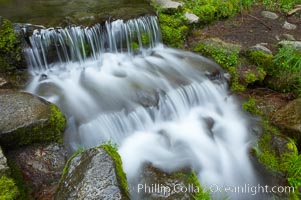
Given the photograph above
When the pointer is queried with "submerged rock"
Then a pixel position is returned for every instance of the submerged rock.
(4, 169)
(93, 174)
(289, 119)
(27, 119)
(41, 167)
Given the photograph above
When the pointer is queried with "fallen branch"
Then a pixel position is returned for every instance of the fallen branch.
(262, 22)
(294, 10)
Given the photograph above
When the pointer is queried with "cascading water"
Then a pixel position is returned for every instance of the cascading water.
(169, 107)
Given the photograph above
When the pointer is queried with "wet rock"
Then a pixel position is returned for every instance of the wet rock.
(168, 4)
(289, 37)
(92, 174)
(289, 119)
(294, 44)
(156, 184)
(41, 167)
(26, 119)
(4, 169)
(289, 26)
(192, 18)
(147, 99)
(269, 15)
(262, 48)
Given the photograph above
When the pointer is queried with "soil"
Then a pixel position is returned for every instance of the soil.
(249, 28)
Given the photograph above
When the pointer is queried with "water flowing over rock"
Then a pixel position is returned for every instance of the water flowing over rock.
(26, 119)
(190, 122)
(91, 175)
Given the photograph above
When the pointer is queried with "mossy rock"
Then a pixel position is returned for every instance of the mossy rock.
(226, 55)
(168, 185)
(279, 155)
(95, 173)
(288, 119)
(11, 57)
(27, 119)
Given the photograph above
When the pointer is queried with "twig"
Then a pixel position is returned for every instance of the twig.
(262, 22)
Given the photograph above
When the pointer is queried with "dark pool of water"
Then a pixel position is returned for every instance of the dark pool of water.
(62, 12)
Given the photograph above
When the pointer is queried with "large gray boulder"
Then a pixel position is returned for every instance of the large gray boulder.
(27, 119)
(41, 167)
(93, 174)
(288, 119)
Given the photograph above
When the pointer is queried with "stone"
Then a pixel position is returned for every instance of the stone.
(269, 15)
(289, 37)
(192, 18)
(289, 26)
(41, 166)
(27, 119)
(168, 4)
(262, 48)
(288, 119)
(2, 82)
(91, 175)
(151, 175)
(4, 169)
(294, 44)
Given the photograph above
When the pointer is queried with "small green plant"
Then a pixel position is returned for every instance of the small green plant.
(8, 189)
(228, 59)
(287, 68)
(173, 28)
(250, 106)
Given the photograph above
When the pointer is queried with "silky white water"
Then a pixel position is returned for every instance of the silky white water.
(159, 105)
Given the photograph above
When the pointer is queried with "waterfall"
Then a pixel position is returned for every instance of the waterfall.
(160, 105)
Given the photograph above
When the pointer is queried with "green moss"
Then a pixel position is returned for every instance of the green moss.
(10, 49)
(134, 46)
(8, 189)
(17, 176)
(174, 31)
(66, 167)
(201, 195)
(121, 177)
(250, 106)
(289, 162)
(42, 132)
(227, 57)
(260, 59)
